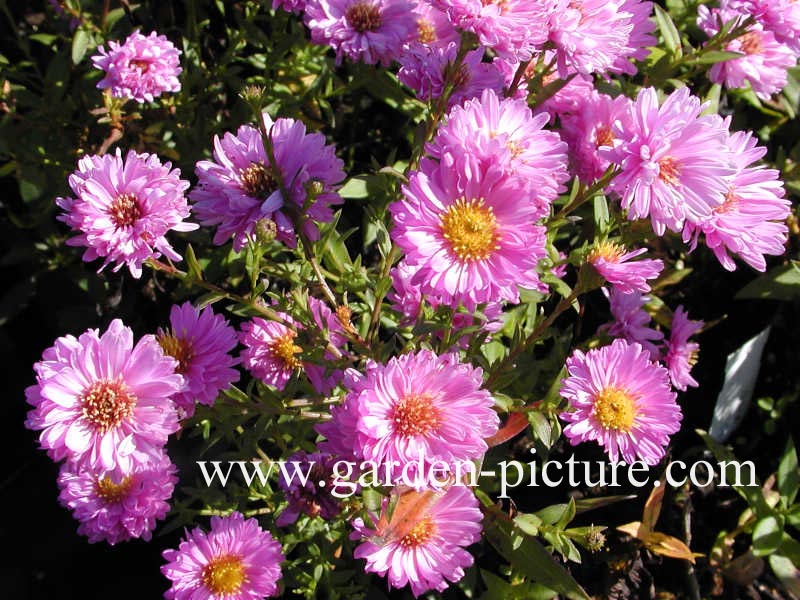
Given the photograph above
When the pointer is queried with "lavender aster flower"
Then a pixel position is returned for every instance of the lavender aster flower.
(124, 208)
(239, 188)
(141, 68)
(681, 353)
(369, 31)
(312, 496)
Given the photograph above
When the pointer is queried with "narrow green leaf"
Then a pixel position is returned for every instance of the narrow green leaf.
(767, 535)
(788, 474)
(672, 39)
(80, 43)
(780, 283)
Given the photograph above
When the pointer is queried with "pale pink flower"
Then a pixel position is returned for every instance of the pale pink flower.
(615, 265)
(681, 354)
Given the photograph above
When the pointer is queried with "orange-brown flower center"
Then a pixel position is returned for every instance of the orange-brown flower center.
(224, 575)
(106, 404)
(363, 16)
(419, 534)
(750, 43)
(179, 349)
(124, 210)
(257, 180)
(669, 170)
(603, 136)
(729, 204)
(471, 229)
(141, 64)
(415, 415)
(111, 492)
(427, 32)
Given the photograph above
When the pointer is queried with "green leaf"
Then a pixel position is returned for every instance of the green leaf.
(672, 39)
(526, 554)
(714, 56)
(356, 187)
(767, 535)
(788, 475)
(498, 588)
(601, 217)
(781, 283)
(195, 272)
(80, 43)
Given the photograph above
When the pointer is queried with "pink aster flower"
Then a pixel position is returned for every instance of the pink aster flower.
(589, 127)
(115, 506)
(781, 17)
(141, 68)
(764, 62)
(200, 341)
(423, 548)
(238, 188)
(612, 262)
(514, 29)
(369, 31)
(590, 36)
(622, 400)
(124, 208)
(102, 402)
(433, 26)
(681, 353)
(419, 408)
(751, 221)
(675, 164)
(631, 322)
(270, 350)
(292, 6)
(236, 560)
(469, 230)
(504, 132)
(641, 38)
(423, 70)
(312, 495)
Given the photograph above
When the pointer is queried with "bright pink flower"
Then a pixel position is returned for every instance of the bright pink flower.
(433, 26)
(781, 17)
(141, 68)
(236, 560)
(764, 62)
(589, 127)
(503, 132)
(418, 408)
(369, 31)
(270, 351)
(620, 399)
(641, 38)
(612, 262)
(467, 227)
(238, 188)
(590, 36)
(514, 29)
(423, 66)
(312, 495)
(124, 208)
(292, 6)
(115, 506)
(631, 322)
(428, 551)
(103, 403)
(681, 353)
(675, 164)
(751, 221)
(200, 341)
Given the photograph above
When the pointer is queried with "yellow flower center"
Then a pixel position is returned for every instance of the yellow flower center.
(415, 415)
(224, 575)
(111, 492)
(615, 409)
(427, 32)
(419, 534)
(106, 403)
(609, 251)
(285, 349)
(179, 349)
(669, 170)
(124, 210)
(471, 229)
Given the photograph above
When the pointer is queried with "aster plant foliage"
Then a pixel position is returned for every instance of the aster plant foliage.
(419, 237)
